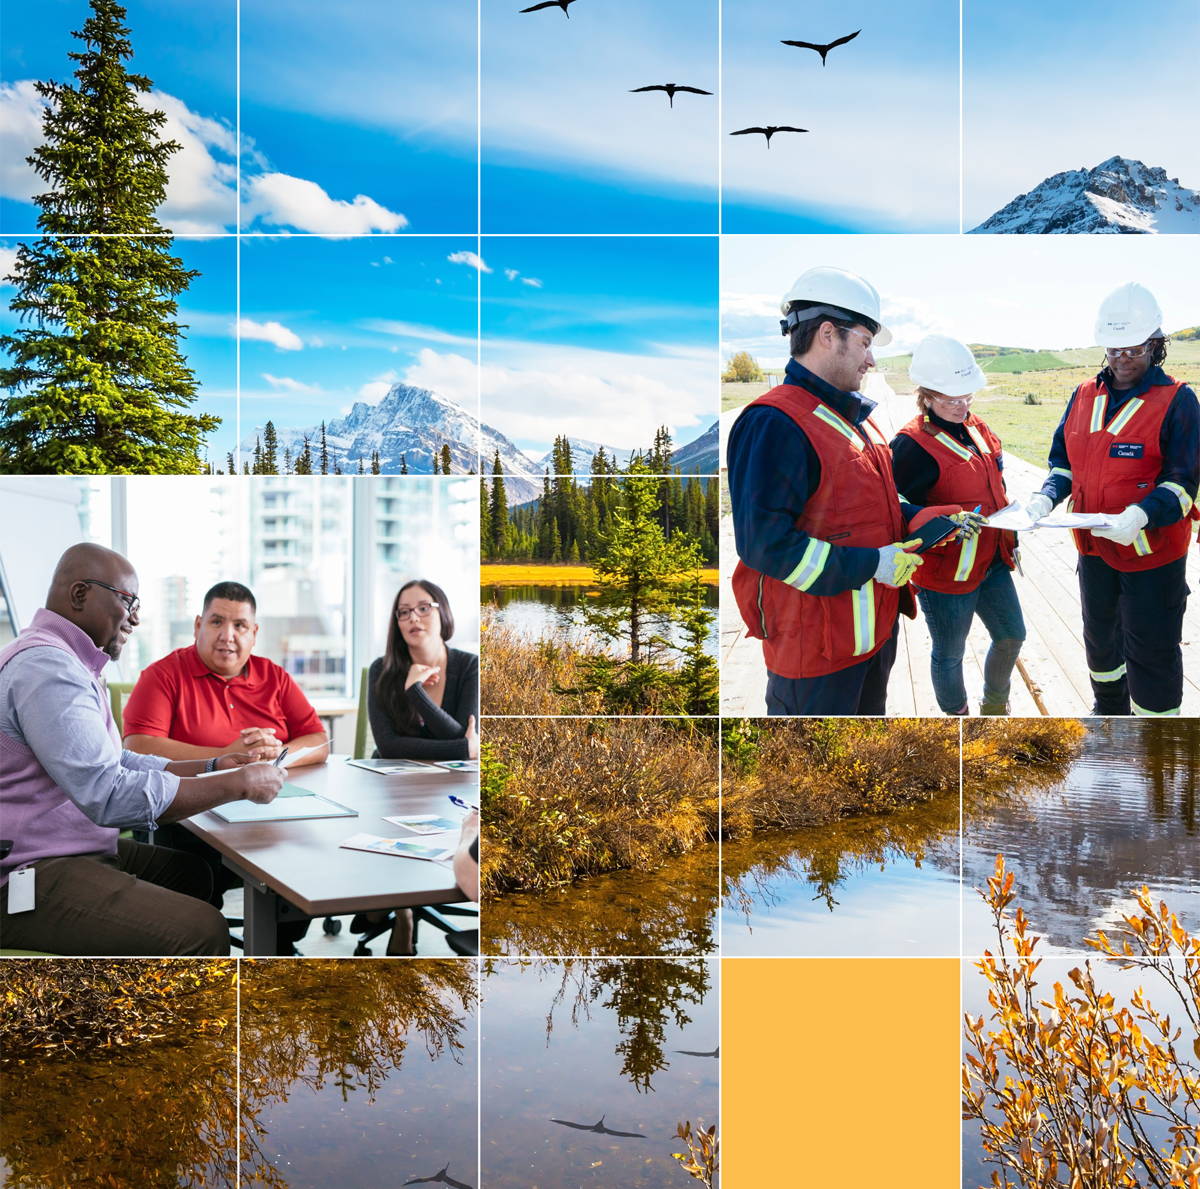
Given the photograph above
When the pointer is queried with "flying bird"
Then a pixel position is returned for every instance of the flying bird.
(768, 132)
(670, 89)
(552, 4)
(442, 1177)
(692, 1052)
(821, 49)
(599, 1128)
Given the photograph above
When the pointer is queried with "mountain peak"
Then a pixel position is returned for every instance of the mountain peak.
(1119, 197)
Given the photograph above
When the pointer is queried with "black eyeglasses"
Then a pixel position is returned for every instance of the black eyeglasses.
(421, 609)
(132, 602)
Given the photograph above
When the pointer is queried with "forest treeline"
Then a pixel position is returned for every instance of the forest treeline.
(572, 519)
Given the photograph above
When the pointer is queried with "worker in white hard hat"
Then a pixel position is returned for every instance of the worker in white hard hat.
(825, 546)
(1129, 445)
(947, 455)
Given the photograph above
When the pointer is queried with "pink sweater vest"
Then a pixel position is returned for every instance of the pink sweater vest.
(38, 816)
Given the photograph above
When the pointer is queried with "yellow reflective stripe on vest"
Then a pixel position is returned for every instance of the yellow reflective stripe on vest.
(1154, 713)
(1062, 471)
(862, 602)
(869, 429)
(811, 565)
(1141, 545)
(1098, 403)
(832, 419)
(977, 438)
(1121, 420)
(966, 559)
(1185, 500)
(954, 446)
(1111, 675)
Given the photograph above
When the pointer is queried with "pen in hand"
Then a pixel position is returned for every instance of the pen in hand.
(279, 758)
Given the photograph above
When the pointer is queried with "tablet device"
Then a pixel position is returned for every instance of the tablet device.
(932, 532)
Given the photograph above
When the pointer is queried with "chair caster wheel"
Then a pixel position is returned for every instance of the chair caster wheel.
(332, 926)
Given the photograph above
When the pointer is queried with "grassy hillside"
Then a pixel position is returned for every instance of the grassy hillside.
(1025, 361)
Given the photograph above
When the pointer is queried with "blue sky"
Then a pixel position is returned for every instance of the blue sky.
(881, 153)
(567, 147)
(1053, 87)
(208, 308)
(326, 323)
(602, 339)
(354, 118)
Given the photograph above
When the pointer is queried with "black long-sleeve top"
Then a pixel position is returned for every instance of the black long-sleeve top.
(443, 728)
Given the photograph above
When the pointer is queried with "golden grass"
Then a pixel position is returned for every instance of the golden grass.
(583, 796)
(505, 574)
(809, 771)
(997, 747)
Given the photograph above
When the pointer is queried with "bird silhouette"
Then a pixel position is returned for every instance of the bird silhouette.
(768, 132)
(823, 49)
(442, 1177)
(599, 1128)
(692, 1052)
(670, 89)
(552, 4)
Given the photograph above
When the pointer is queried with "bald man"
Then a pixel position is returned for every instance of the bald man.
(70, 885)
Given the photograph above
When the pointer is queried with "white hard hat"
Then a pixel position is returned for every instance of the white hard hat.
(1129, 315)
(945, 365)
(834, 292)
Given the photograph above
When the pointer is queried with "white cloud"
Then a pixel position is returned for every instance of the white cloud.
(21, 110)
(8, 261)
(280, 200)
(201, 190)
(451, 375)
(375, 389)
(512, 273)
(287, 384)
(270, 332)
(468, 258)
(533, 282)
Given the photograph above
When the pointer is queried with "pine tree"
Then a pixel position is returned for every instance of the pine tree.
(403, 465)
(258, 456)
(99, 385)
(304, 460)
(445, 459)
(287, 460)
(337, 466)
(360, 465)
(486, 545)
(229, 462)
(498, 510)
(245, 468)
(698, 678)
(375, 462)
(270, 448)
(324, 452)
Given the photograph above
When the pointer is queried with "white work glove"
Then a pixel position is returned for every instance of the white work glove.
(1125, 531)
(1040, 505)
(896, 565)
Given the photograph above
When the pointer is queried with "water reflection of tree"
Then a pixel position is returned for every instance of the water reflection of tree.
(647, 995)
(826, 856)
(628, 912)
(160, 1118)
(1123, 814)
(343, 1022)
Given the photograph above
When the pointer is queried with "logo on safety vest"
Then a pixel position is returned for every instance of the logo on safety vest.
(1126, 450)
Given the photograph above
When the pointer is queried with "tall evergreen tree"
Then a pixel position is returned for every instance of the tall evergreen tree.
(487, 546)
(403, 465)
(445, 459)
(270, 449)
(99, 385)
(375, 462)
(498, 511)
(229, 462)
(360, 464)
(324, 452)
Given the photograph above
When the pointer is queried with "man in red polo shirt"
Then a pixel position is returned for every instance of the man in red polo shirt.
(196, 701)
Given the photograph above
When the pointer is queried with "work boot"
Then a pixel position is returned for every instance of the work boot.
(995, 708)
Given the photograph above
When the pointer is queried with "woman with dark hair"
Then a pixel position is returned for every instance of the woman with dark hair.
(423, 697)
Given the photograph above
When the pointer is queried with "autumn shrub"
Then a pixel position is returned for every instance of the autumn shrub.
(1068, 1088)
(995, 747)
(583, 796)
(809, 771)
(73, 1004)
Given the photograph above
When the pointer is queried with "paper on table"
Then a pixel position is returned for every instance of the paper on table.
(297, 806)
(397, 846)
(427, 823)
(294, 757)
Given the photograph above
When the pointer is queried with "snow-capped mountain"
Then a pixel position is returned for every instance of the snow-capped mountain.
(411, 421)
(582, 453)
(1118, 197)
(700, 456)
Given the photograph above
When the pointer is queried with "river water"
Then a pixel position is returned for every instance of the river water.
(156, 1115)
(590, 1040)
(877, 885)
(1126, 814)
(536, 611)
(358, 1074)
(671, 910)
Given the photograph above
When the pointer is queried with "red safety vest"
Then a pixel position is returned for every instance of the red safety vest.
(855, 503)
(1118, 464)
(970, 480)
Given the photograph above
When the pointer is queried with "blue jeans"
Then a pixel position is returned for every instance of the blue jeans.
(949, 617)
